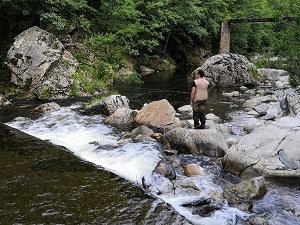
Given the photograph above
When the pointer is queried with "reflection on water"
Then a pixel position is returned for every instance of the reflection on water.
(281, 204)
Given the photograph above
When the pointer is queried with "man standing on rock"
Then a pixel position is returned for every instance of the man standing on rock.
(199, 95)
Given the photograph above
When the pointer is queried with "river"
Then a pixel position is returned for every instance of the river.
(68, 168)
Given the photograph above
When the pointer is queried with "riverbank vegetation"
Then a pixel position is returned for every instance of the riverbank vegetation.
(115, 31)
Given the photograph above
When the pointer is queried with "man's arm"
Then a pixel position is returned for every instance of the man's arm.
(192, 94)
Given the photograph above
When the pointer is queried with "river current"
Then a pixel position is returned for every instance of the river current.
(70, 168)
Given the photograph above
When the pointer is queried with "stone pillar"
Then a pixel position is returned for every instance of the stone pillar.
(225, 37)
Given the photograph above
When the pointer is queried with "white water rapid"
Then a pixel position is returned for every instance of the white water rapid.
(92, 140)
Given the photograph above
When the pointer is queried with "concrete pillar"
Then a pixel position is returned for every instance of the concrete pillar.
(225, 37)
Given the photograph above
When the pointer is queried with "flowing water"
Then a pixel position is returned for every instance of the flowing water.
(70, 168)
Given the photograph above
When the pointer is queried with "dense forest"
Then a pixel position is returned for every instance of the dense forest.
(143, 30)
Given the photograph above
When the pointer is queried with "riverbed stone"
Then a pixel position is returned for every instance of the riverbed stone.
(208, 142)
(271, 150)
(108, 105)
(158, 114)
(262, 109)
(275, 110)
(47, 107)
(122, 115)
(273, 77)
(252, 123)
(242, 194)
(251, 103)
(165, 169)
(293, 102)
(213, 117)
(186, 109)
(224, 128)
(192, 170)
(253, 113)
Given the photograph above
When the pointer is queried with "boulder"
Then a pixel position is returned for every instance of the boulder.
(262, 109)
(2, 100)
(47, 107)
(252, 103)
(230, 70)
(142, 130)
(252, 123)
(270, 151)
(186, 183)
(122, 115)
(140, 133)
(242, 194)
(186, 109)
(293, 104)
(158, 114)
(192, 170)
(233, 140)
(165, 169)
(41, 65)
(108, 106)
(274, 77)
(208, 142)
(213, 117)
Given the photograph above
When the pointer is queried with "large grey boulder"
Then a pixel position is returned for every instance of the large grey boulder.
(2, 100)
(270, 151)
(293, 104)
(230, 70)
(109, 105)
(39, 62)
(208, 142)
(274, 78)
(122, 115)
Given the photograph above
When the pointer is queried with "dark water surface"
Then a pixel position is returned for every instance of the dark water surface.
(46, 184)
(175, 87)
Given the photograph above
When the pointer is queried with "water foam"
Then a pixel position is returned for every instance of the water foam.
(90, 139)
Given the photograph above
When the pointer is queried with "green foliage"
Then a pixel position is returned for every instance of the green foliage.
(75, 89)
(115, 29)
(107, 49)
(14, 92)
(267, 61)
(79, 56)
(45, 92)
(82, 82)
(133, 78)
(53, 21)
(287, 43)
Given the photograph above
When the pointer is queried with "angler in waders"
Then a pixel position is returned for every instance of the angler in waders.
(199, 95)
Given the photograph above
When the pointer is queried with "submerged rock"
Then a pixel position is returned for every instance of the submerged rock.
(165, 169)
(192, 170)
(242, 194)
